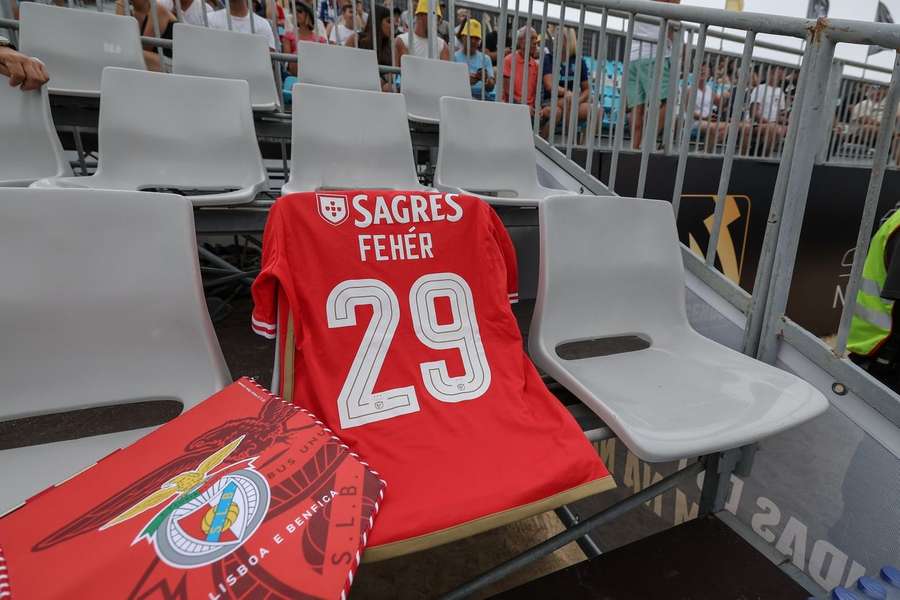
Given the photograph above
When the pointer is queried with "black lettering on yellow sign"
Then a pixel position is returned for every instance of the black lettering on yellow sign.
(695, 221)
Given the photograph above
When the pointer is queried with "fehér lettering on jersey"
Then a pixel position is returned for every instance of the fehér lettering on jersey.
(401, 208)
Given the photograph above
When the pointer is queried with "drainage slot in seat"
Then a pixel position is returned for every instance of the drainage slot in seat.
(605, 346)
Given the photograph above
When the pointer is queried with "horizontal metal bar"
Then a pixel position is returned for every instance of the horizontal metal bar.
(867, 388)
(559, 540)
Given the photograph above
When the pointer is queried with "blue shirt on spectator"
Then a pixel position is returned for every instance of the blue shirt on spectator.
(475, 62)
(566, 74)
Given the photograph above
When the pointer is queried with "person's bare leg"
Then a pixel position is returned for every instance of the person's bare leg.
(637, 125)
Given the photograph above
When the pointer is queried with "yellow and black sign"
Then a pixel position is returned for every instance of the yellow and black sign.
(695, 220)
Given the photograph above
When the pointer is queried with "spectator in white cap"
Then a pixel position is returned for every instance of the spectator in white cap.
(419, 35)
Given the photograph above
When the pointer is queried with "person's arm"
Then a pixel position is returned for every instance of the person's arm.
(23, 71)
(399, 50)
(489, 75)
(445, 51)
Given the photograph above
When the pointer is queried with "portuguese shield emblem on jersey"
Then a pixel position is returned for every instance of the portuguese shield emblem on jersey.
(333, 208)
(206, 515)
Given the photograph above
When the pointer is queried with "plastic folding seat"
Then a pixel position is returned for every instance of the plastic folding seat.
(75, 45)
(338, 66)
(349, 139)
(162, 132)
(30, 148)
(229, 55)
(610, 325)
(107, 309)
(487, 149)
(426, 81)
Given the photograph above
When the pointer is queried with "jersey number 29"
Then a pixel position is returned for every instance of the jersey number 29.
(358, 403)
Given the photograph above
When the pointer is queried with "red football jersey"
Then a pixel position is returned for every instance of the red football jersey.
(395, 326)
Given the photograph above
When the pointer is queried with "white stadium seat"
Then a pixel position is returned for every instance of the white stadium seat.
(108, 309)
(487, 149)
(611, 267)
(30, 148)
(160, 131)
(227, 54)
(349, 139)
(337, 66)
(75, 45)
(426, 81)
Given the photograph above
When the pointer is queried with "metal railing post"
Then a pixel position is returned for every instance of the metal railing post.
(811, 117)
(688, 122)
(651, 112)
(876, 178)
(756, 312)
(737, 112)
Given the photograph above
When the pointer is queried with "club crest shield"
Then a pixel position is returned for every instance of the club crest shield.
(332, 208)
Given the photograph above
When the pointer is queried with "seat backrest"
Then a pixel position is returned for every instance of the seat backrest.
(486, 147)
(337, 66)
(75, 45)
(227, 54)
(107, 306)
(30, 149)
(158, 131)
(609, 266)
(349, 139)
(426, 81)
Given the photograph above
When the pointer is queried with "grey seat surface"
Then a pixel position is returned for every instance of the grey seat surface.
(76, 45)
(487, 149)
(227, 54)
(337, 66)
(30, 148)
(162, 132)
(611, 267)
(108, 309)
(426, 81)
(349, 139)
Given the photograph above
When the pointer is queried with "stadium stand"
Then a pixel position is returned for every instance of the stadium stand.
(338, 66)
(426, 81)
(487, 149)
(226, 54)
(76, 45)
(683, 394)
(338, 148)
(205, 141)
(108, 310)
(31, 148)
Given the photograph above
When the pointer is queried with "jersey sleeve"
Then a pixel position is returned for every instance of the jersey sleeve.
(504, 243)
(265, 287)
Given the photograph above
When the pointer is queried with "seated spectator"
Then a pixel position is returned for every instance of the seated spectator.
(344, 32)
(381, 44)
(303, 32)
(707, 125)
(140, 10)
(767, 107)
(865, 116)
(481, 70)
(240, 21)
(23, 71)
(192, 10)
(519, 81)
(567, 76)
(400, 24)
(490, 45)
(420, 41)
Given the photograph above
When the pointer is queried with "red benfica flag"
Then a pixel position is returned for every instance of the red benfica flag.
(243, 496)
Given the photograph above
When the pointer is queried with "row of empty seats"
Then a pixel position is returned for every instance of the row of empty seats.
(162, 132)
(77, 45)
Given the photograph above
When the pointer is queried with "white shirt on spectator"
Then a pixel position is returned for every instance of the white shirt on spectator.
(420, 45)
(868, 109)
(770, 100)
(643, 48)
(343, 34)
(703, 101)
(194, 13)
(219, 20)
